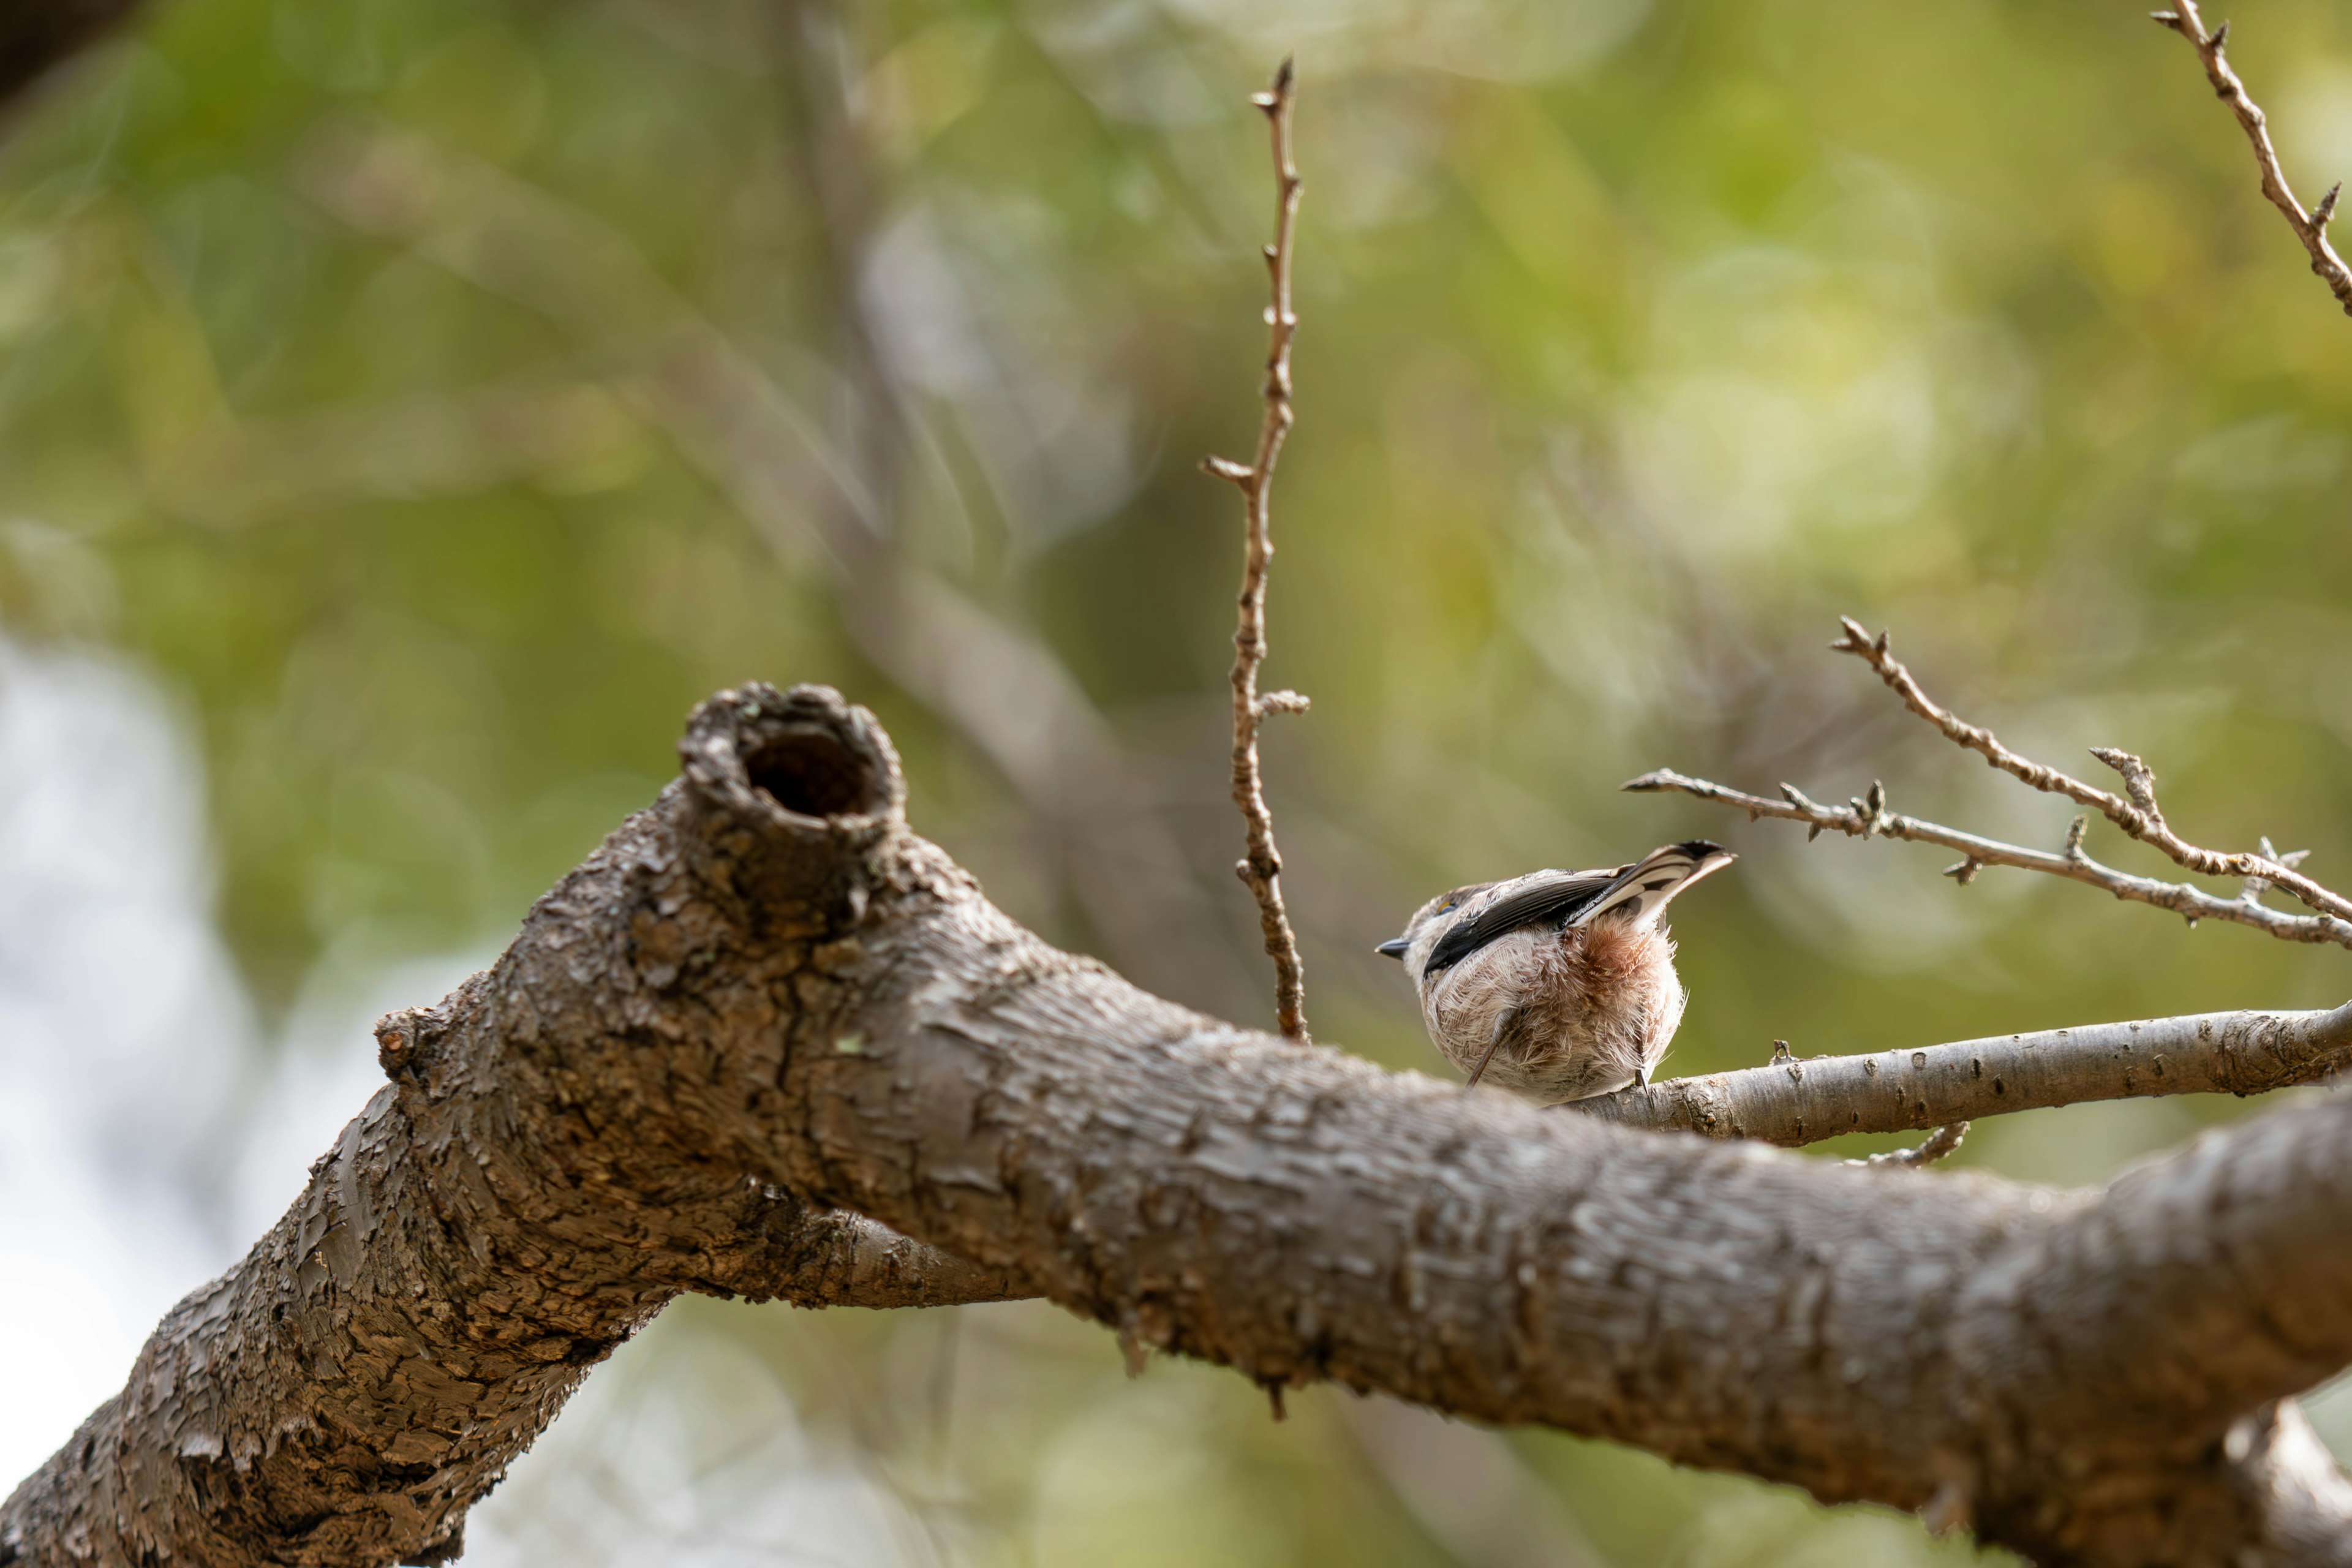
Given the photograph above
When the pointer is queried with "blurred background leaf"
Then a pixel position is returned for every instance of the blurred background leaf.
(408, 410)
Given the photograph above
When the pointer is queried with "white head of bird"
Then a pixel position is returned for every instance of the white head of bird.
(1558, 984)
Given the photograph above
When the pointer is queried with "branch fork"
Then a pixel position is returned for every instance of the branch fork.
(2135, 811)
(768, 1041)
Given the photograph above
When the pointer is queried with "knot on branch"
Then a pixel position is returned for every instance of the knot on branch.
(408, 1042)
(1258, 869)
(2139, 779)
(804, 762)
(1226, 468)
(1869, 810)
(789, 789)
(1859, 642)
(1286, 78)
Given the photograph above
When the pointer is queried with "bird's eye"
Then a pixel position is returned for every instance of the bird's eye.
(1449, 905)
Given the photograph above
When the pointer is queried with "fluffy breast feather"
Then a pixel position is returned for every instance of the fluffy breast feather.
(1583, 1010)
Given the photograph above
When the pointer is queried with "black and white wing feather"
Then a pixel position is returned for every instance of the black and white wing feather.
(1564, 898)
(1539, 898)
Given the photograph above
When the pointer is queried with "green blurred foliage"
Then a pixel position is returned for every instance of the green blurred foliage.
(440, 399)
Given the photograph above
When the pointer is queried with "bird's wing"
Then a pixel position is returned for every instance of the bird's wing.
(1652, 881)
(1539, 898)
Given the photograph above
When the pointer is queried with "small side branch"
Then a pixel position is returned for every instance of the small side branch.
(1794, 1102)
(1858, 820)
(2135, 811)
(1941, 1144)
(1261, 870)
(2311, 228)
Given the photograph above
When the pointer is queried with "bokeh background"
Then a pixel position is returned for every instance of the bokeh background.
(409, 408)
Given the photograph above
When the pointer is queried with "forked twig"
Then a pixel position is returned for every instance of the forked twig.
(2135, 812)
(1859, 819)
(2311, 228)
(1261, 870)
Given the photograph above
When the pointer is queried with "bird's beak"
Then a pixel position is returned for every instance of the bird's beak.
(1393, 948)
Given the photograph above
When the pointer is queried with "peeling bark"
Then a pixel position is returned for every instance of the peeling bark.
(764, 1001)
(534, 1183)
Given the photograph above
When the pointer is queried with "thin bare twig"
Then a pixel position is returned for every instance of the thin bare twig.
(1942, 1143)
(2135, 811)
(1859, 819)
(1261, 870)
(2311, 228)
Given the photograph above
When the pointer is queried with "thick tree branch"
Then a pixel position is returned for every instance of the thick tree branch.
(2311, 228)
(366, 1374)
(496, 1220)
(765, 993)
(1261, 868)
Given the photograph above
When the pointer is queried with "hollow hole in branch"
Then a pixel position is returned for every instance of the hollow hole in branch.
(812, 773)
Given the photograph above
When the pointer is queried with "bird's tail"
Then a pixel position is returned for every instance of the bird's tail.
(1651, 883)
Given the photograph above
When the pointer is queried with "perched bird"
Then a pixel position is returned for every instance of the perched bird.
(1557, 985)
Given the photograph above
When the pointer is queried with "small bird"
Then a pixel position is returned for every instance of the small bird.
(1557, 985)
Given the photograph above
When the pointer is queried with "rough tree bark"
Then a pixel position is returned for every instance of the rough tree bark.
(764, 1000)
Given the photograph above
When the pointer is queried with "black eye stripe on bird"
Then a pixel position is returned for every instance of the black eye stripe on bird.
(1557, 985)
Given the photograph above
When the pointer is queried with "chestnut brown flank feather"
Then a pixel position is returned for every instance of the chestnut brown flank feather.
(1578, 1012)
